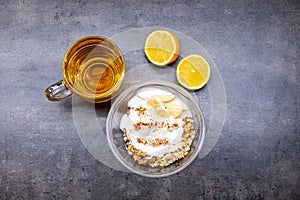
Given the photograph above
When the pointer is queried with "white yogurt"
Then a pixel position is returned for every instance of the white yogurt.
(142, 123)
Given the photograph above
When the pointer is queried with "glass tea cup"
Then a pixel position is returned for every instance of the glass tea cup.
(93, 68)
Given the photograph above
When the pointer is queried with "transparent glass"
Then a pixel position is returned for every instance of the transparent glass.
(93, 68)
(115, 136)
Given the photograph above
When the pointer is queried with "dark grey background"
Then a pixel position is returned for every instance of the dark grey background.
(256, 46)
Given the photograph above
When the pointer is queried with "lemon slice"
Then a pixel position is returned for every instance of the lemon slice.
(162, 47)
(193, 72)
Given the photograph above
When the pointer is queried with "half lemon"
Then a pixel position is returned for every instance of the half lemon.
(162, 47)
(193, 72)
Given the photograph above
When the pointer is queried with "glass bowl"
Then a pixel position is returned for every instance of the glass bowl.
(115, 135)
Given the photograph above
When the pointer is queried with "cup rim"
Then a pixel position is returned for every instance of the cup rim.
(131, 89)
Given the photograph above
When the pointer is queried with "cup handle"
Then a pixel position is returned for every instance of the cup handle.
(58, 91)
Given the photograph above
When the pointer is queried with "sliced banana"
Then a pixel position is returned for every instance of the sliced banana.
(164, 97)
(154, 102)
(162, 112)
(174, 109)
(148, 93)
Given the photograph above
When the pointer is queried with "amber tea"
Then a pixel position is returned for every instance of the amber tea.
(94, 68)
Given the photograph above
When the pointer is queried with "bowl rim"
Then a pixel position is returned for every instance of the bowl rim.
(135, 87)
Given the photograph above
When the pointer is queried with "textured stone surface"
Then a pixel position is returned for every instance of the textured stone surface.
(256, 46)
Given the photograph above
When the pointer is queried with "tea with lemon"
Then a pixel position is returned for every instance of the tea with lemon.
(94, 68)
